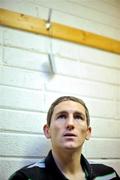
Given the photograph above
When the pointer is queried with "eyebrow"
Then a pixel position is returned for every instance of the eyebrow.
(75, 112)
(61, 112)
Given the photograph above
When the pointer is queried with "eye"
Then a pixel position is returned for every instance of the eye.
(62, 116)
(79, 116)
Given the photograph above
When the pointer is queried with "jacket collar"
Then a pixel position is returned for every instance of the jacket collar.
(52, 167)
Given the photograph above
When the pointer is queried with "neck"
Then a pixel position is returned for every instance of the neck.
(68, 162)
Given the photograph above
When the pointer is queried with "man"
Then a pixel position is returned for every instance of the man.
(68, 126)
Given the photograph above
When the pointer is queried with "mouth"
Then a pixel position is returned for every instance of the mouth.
(69, 135)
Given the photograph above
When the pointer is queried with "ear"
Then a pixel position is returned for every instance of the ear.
(46, 130)
(88, 133)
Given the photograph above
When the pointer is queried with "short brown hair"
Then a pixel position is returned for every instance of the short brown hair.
(66, 98)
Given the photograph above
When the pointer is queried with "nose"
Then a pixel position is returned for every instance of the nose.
(70, 123)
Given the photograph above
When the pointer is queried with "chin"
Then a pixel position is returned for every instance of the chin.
(70, 146)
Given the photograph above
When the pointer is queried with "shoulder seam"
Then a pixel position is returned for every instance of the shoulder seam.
(40, 164)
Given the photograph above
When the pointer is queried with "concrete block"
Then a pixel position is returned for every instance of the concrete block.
(22, 78)
(26, 59)
(81, 87)
(22, 121)
(23, 145)
(21, 99)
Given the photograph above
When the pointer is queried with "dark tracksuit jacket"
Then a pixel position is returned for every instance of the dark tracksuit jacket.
(46, 169)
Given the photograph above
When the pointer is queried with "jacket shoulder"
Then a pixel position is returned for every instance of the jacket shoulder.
(34, 171)
(102, 170)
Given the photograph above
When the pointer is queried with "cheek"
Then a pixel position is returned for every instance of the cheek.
(55, 130)
(83, 129)
(58, 131)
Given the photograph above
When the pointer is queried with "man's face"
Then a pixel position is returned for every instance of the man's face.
(68, 128)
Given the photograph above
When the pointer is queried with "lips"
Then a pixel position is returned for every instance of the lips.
(69, 135)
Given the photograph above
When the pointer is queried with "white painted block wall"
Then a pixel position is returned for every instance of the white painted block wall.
(28, 86)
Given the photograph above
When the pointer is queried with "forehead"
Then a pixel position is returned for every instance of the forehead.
(70, 106)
